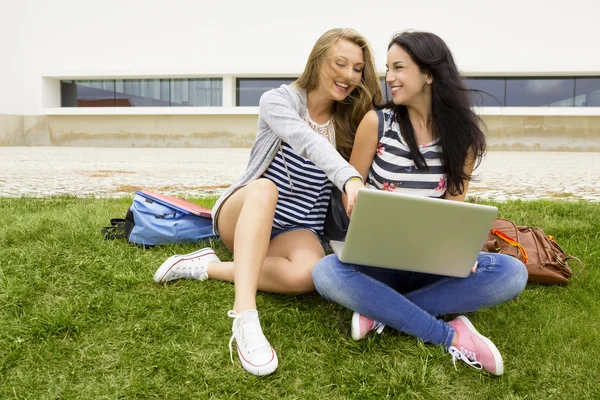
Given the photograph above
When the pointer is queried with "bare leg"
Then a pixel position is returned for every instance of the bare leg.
(283, 265)
(248, 215)
(289, 273)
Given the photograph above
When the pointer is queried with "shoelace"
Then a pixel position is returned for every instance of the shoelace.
(185, 270)
(465, 355)
(378, 326)
(253, 342)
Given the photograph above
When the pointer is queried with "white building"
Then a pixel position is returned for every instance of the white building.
(188, 73)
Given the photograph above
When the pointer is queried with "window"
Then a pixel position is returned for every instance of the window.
(142, 93)
(200, 92)
(587, 92)
(386, 91)
(490, 92)
(98, 93)
(540, 92)
(249, 90)
(208, 92)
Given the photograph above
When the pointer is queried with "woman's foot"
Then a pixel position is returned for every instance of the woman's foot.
(474, 348)
(255, 352)
(186, 266)
(362, 326)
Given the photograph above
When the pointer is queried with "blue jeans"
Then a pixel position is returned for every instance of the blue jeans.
(410, 301)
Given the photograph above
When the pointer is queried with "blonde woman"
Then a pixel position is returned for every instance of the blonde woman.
(272, 217)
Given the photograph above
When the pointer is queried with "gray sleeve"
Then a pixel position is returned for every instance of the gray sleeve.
(277, 109)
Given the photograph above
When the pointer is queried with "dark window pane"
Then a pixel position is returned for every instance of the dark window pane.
(68, 94)
(97, 93)
(199, 92)
(587, 92)
(142, 93)
(249, 90)
(385, 90)
(491, 91)
(544, 92)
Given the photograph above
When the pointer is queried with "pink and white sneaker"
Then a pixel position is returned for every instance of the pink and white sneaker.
(362, 326)
(186, 266)
(255, 352)
(474, 348)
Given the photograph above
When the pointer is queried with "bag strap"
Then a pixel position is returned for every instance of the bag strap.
(117, 230)
(565, 261)
(118, 222)
(492, 246)
(512, 242)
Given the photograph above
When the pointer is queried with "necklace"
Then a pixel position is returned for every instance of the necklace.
(327, 130)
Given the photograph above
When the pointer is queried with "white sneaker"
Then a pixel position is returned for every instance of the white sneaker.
(255, 352)
(362, 326)
(186, 266)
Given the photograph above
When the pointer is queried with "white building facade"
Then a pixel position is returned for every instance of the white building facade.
(189, 73)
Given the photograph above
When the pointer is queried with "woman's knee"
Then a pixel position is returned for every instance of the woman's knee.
(514, 274)
(519, 275)
(261, 194)
(262, 190)
(325, 275)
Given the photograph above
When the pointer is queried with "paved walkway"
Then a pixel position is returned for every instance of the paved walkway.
(109, 172)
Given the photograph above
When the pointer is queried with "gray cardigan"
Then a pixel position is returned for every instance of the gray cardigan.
(280, 118)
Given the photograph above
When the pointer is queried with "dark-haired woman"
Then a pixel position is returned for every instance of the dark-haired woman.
(425, 141)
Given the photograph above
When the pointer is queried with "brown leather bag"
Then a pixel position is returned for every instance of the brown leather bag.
(546, 262)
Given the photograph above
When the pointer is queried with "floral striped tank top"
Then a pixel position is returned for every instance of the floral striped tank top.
(394, 169)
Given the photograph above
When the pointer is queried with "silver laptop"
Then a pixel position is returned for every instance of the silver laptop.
(415, 233)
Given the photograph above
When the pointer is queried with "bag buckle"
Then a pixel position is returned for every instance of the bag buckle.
(165, 215)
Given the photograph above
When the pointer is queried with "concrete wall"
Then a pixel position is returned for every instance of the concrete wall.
(269, 37)
(12, 130)
(150, 38)
(565, 133)
(543, 133)
(138, 131)
(12, 52)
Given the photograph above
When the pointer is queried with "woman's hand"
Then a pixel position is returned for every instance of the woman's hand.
(351, 188)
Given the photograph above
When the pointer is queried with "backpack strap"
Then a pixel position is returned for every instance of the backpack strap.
(565, 261)
(116, 230)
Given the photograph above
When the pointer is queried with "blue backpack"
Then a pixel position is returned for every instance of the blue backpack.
(155, 219)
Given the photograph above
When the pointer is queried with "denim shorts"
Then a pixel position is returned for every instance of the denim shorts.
(276, 231)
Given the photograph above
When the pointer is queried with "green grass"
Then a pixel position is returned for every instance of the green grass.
(80, 318)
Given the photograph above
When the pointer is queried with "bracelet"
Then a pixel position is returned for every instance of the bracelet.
(354, 178)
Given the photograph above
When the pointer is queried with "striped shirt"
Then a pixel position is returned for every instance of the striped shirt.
(394, 168)
(304, 191)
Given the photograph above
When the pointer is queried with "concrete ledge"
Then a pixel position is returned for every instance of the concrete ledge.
(538, 111)
(543, 133)
(151, 111)
(504, 132)
(11, 130)
(141, 130)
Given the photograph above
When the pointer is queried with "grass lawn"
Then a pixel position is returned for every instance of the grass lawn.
(81, 318)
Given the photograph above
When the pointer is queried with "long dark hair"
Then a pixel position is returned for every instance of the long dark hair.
(453, 120)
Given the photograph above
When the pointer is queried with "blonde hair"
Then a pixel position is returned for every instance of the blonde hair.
(347, 114)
